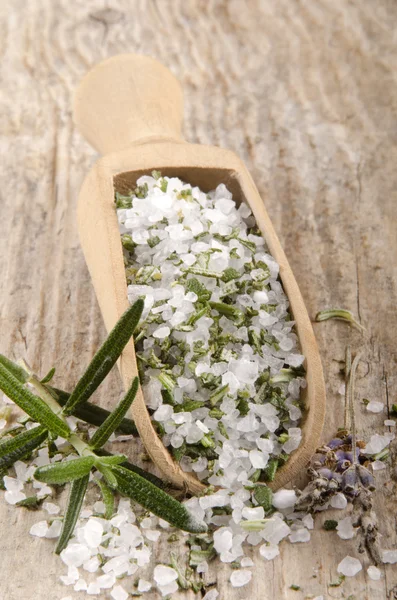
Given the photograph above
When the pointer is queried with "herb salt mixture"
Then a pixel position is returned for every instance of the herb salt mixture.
(218, 357)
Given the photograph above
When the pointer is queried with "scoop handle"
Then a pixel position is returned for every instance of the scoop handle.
(126, 99)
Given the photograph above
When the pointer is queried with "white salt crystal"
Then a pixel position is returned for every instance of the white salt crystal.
(152, 535)
(92, 533)
(261, 297)
(308, 521)
(211, 595)
(93, 589)
(223, 540)
(246, 562)
(202, 567)
(389, 556)
(164, 575)
(284, 499)
(376, 444)
(374, 573)
(118, 593)
(75, 555)
(275, 530)
(144, 586)
(349, 566)
(54, 530)
(106, 581)
(258, 459)
(378, 465)
(3, 423)
(80, 585)
(12, 484)
(161, 332)
(67, 598)
(338, 501)
(92, 564)
(99, 507)
(71, 577)
(295, 360)
(240, 577)
(246, 371)
(375, 407)
(170, 588)
(389, 423)
(253, 514)
(269, 552)
(14, 497)
(163, 413)
(299, 535)
(51, 508)
(345, 528)
(39, 529)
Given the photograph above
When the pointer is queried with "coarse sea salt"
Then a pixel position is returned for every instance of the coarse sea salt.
(240, 577)
(374, 573)
(349, 566)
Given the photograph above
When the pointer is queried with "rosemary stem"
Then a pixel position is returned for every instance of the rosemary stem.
(79, 445)
(42, 390)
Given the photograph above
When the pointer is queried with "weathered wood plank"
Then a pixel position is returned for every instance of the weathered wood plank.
(304, 92)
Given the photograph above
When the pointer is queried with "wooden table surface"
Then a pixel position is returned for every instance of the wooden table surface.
(305, 92)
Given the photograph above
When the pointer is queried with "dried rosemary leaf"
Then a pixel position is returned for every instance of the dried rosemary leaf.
(340, 314)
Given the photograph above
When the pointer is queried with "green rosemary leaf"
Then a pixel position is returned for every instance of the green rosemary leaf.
(263, 495)
(127, 465)
(340, 314)
(106, 357)
(107, 497)
(75, 501)
(104, 432)
(62, 472)
(33, 406)
(31, 502)
(271, 469)
(15, 369)
(49, 376)
(109, 461)
(91, 413)
(108, 475)
(19, 446)
(158, 502)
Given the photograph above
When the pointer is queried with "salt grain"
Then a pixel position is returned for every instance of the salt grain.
(374, 573)
(389, 556)
(375, 407)
(269, 552)
(349, 566)
(284, 499)
(39, 529)
(338, 501)
(164, 575)
(144, 586)
(240, 577)
(345, 529)
(119, 593)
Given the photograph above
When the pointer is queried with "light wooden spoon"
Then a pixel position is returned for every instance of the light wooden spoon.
(130, 109)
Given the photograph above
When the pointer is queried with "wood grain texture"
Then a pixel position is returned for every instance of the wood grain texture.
(305, 93)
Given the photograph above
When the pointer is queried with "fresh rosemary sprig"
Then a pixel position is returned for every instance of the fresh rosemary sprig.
(49, 409)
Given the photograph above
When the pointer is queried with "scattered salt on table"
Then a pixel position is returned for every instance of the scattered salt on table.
(240, 577)
(374, 573)
(349, 566)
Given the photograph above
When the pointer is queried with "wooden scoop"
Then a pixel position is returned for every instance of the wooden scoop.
(130, 109)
